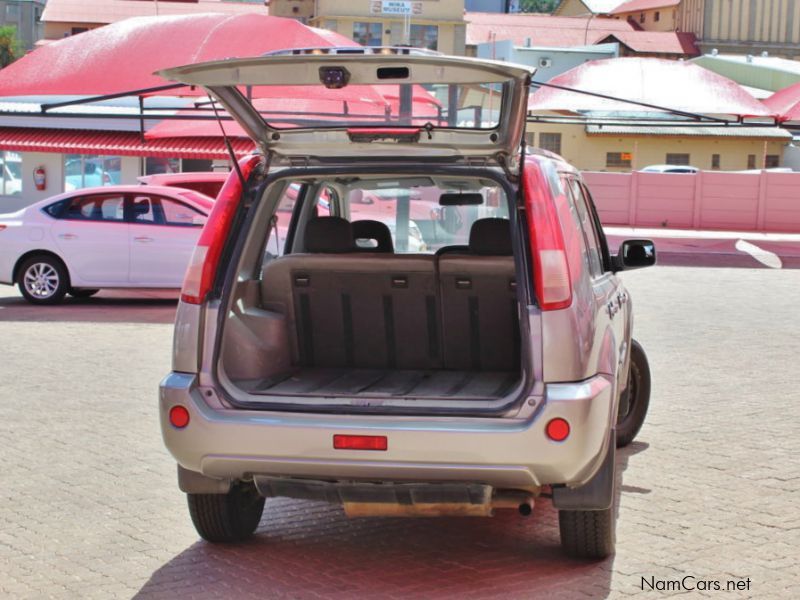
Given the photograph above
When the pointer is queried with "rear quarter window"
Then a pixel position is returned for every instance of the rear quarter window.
(56, 209)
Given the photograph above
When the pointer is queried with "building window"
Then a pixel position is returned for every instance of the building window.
(619, 160)
(77, 30)
(425, 36)
(715, 162)
(751, 161)
(657, 17)
(773, 161)
(550, 141)
(82, 171)
(678, 159)
(12, 173)
(368, 34)
(641, 18)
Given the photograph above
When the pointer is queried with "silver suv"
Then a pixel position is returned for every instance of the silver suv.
(396, 307)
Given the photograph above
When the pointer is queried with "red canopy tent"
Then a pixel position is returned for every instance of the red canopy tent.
(123, 56)
(786, 103)
(680, 86)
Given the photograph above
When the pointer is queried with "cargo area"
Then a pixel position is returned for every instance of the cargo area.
(366, 311)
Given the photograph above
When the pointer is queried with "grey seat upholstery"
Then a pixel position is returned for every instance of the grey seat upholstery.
(480, 319)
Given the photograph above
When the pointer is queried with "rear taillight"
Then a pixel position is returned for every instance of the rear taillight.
(2, 227)
(551, 275)
(205, 259)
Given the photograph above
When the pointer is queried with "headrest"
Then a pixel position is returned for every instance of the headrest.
(329, 235)
(491, 237)
(373, 230)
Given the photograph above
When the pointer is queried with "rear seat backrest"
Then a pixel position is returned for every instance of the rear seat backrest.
(352, 309)
(376, 231)
(480, 320)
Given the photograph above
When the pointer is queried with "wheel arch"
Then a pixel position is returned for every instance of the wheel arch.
(38, 252)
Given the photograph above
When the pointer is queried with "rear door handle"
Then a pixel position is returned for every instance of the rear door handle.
(143, 239)
(67, 236)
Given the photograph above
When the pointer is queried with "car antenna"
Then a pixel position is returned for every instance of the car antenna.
(231, 153)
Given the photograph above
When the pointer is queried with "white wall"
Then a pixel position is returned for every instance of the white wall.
(54, 167)
(791, 157)
(130, 170)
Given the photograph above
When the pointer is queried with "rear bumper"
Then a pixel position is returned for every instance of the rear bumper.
(503, 453)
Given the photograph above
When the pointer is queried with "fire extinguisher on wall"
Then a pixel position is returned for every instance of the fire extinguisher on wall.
(40, 178)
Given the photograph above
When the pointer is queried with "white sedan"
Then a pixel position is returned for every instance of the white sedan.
(109, 237)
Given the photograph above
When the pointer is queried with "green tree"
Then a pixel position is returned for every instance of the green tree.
(538, 6)
(10, 45)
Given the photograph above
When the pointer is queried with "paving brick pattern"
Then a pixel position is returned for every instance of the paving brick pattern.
(90, 509)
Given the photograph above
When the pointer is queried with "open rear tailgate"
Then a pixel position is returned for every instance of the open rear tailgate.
(378, 104)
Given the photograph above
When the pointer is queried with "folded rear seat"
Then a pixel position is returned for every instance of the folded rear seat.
(352, 309)
(480, 319)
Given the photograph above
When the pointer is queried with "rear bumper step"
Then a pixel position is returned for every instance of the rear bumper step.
(400, 499)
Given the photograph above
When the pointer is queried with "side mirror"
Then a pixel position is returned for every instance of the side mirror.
(635, 254)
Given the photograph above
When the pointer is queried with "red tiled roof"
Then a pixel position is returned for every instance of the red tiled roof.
(564, 32)
(640, 5)
(544, 30)
(111, 11)
(71, 141)
(657, 42)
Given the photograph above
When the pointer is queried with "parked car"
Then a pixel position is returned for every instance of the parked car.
(91, 172)
(670, 169)
(208, 183)
(402, 383)
(110, 237)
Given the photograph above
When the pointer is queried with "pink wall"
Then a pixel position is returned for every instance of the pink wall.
(707, 200)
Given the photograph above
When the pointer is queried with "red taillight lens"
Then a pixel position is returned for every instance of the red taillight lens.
(205, 259)
(360, 442)
(557, 429)
(2, 227)
(179, 416)
(551, 270)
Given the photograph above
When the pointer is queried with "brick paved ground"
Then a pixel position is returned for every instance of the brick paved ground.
(90, 507)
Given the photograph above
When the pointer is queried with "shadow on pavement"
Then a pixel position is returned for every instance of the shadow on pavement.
(106, 307)
(309, 549)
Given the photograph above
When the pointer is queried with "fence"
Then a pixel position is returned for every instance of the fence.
(763, 202)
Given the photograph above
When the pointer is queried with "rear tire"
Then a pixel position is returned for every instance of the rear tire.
(225, 518)
(588, 533)
(82, 293)
(628, 425)
(43, 279)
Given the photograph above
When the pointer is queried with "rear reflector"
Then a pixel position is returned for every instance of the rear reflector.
(179, 416)
(360, 442)
(557, 429)
(2, 227)
(202, 269)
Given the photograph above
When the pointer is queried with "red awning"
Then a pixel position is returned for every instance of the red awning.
(113, 143)
(123, 56)
(680, 86)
